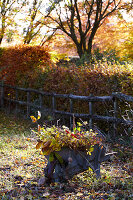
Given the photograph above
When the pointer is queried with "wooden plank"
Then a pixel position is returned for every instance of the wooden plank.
(112, 119)
(95, 117)
(123, 97)
(29, 90)
(85, 98)
(92, 98)
(76, 97)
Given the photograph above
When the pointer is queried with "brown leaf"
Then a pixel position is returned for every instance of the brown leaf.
(39, 144)
(47, 144)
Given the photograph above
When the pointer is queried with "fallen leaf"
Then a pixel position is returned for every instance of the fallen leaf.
(46, 194)
(41, 181)
(79, 194)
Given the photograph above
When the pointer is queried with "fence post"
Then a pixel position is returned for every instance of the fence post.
(2, 94)
(40, 100)
(71, 111)
(16, 96)
(115, 116)
(28, 103)
(9, 104)
(53, 105)
(90, 112)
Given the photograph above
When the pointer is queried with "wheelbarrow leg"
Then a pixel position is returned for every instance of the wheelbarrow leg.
(49, 171)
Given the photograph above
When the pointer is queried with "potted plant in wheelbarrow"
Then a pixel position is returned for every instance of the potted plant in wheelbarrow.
(69, 152)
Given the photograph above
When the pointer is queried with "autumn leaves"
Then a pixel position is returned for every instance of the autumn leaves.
(53, 138)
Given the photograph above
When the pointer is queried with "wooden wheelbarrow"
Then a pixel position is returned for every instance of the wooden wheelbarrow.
(66, 163)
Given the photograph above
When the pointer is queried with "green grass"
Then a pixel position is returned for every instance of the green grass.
(21, 166)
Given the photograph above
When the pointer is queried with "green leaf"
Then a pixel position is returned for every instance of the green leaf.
(51, 157)
(59, 157)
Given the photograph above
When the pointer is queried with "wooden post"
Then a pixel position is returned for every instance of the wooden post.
(16, 96)
(9, 105)
(90, 113)
(40, 100)
(115, 116)
(53, 105)
(28, 104)
(2, 94)
(71, 111)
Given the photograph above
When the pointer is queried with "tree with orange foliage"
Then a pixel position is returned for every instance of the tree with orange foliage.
(115, 34)
(80, 20)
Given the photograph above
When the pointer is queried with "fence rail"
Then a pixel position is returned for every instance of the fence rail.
(90, 99)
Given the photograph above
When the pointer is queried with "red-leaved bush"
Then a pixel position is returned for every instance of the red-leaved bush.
(20, 65)
(31, 66)
(99, 79)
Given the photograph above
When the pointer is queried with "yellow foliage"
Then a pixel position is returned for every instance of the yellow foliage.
(33, 119)
(54, 138)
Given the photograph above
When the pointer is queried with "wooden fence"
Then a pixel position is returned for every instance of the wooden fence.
(89, 99)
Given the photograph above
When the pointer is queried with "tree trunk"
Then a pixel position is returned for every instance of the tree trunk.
(79, 50)
(94, 30)
(27, 41)
(2, 31)
(89, 47)
(1, 38)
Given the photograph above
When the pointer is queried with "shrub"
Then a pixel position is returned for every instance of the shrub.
(21, 65)
(31, 66)
(99, 56)
(99, 79)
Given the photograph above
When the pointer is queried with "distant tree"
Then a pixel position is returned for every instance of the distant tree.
(116, 34)
(126, 47)
(8, 10)
(34, 19)
(80, 19)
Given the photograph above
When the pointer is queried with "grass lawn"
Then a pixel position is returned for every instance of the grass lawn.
(21, 166)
